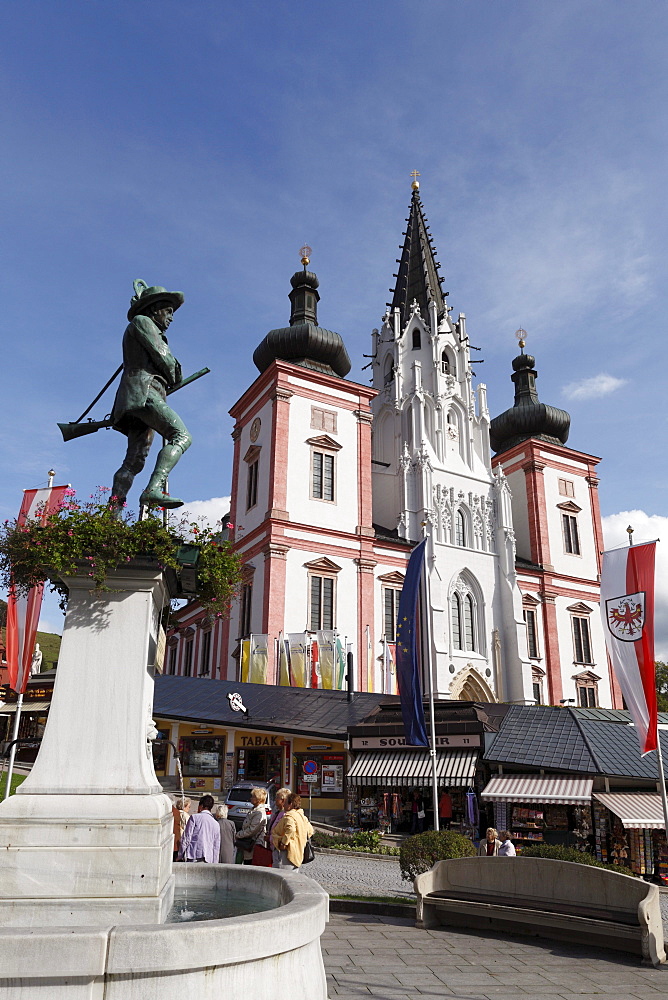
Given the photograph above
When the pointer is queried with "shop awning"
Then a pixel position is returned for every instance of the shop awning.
(559, 790)
(28, 708)
(637, 810)
(397, 767)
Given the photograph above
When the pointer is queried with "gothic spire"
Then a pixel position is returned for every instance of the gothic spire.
(418, 276)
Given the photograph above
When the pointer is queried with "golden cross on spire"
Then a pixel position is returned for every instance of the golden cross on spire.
(416, 184)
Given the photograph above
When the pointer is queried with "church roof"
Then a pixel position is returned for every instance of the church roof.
(528, 417)
(418, 278)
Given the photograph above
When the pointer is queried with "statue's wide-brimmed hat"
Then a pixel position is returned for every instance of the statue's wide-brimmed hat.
(146, 296)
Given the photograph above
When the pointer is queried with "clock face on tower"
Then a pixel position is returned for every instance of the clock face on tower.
(255, 429)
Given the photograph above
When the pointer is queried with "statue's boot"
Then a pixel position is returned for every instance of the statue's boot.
(154, 495)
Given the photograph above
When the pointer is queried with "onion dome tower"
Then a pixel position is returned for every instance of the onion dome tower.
(304, 342)
(528, 417)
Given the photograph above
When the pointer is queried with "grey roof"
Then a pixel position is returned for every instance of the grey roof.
(612, 715)
(541, 737)
(590, 741)
(275, 709)
(617, 751)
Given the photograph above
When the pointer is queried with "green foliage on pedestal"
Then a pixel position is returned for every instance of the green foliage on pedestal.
(421, 852)
(95, 538)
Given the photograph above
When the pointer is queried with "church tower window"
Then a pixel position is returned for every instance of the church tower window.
(323, 476)
(417, 342)
(469, 630)
(456, 622)
(245, 616)
(460, 529)
(571, 534)
(445, 366)
(388, 375)
(251, 485)
(581, 640)
(322, 603)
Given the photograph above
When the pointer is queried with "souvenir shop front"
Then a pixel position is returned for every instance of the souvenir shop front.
(542, 809)
(385, 786)
(629, 830)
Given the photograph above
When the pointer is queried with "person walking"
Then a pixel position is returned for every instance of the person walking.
(290, 834)
(254, 825)
(507, 849)
(489, 847)
(201, 840)
(228, 832)
(277, 815)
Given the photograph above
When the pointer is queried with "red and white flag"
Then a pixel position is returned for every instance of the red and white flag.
(23, 611)
(627, 609)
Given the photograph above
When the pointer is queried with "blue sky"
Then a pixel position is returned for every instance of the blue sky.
(199, 145)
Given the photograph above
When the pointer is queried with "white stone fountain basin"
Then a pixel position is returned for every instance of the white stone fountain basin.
(255, 955)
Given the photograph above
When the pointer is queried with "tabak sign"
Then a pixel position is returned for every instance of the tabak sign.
(456, 740)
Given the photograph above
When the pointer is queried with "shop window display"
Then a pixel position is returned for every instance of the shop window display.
(202, 757)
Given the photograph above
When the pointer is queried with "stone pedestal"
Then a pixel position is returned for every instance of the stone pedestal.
(87, 838)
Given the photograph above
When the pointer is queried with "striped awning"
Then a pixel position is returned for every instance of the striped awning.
(454, 768)
(28, 707)
(637, 810)
(554, 789)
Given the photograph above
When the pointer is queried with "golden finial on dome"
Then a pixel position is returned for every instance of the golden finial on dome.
(521, 337)
(305, 254)
(416, 184)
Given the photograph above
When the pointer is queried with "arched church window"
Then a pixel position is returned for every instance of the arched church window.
(469, 632)
(388, 374)
(417, 343)
(456, 622)
(460, 528)
(445, 368)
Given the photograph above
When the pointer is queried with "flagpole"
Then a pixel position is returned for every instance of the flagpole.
(12, 752)
(427, 646)
(659, 755)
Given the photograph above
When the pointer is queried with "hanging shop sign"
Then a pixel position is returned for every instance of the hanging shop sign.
(399, 742)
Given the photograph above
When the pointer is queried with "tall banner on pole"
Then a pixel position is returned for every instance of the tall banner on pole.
(245, 659)
(326, 658)
(259, 659)
(627, 609)
(283, 661)
(298, 664)
(340, 664)
(23, 610)
(407, 665)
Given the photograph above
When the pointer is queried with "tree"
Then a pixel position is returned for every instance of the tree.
(662, 685)
(3, 614)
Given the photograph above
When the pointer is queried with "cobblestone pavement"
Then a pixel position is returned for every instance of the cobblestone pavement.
(346, 876)
(390, 959)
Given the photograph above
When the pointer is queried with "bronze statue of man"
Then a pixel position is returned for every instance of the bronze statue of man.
(140, 408)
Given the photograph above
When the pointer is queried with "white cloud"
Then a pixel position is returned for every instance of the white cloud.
(646, 527)
(594, 387)
(210, 512)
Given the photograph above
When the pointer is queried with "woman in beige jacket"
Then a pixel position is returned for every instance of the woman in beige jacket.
(290, 834)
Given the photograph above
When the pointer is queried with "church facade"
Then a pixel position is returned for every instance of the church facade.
(334, 482)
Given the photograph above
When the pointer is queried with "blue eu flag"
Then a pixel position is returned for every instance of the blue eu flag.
(408, 672)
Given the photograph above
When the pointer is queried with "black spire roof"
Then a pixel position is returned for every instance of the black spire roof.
(528, 417)
(418, 276)
(304, 342)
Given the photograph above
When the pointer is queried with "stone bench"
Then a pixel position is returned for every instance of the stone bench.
(544, 898)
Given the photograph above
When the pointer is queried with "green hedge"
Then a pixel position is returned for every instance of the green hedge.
(365, 841)
(555, 852)
(420, 853)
